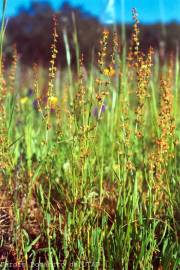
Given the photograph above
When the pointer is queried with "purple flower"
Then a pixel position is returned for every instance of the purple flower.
(35, 104)
(103, 108)
(30, 92)
(96, 112)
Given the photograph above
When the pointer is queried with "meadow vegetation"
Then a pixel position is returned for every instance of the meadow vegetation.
(89, 160)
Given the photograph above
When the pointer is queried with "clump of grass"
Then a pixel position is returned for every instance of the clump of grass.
(95, 162)
(4, 141)
(164, 154)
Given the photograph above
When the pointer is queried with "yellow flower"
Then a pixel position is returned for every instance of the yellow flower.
(23, 100)
(52, 102)
(109, 71)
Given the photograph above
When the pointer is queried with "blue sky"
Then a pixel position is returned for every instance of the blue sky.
(108, 10)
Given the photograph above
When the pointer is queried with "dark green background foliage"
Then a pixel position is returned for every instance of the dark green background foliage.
(31, 31)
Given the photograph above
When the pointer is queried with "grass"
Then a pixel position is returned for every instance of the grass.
(90, 167)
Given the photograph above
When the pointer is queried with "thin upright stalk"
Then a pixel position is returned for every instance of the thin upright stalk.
(2, 32)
